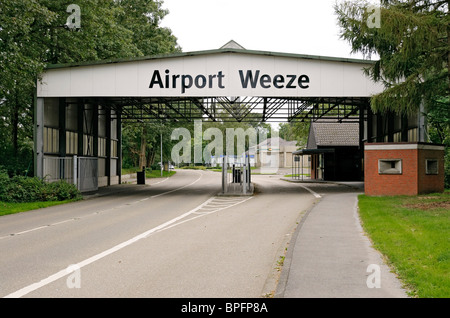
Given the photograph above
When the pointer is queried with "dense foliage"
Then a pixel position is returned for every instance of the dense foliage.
(412, 41)
(19, 189)
(32, 35)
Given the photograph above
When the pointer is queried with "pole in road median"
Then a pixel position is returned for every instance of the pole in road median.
(224, 174)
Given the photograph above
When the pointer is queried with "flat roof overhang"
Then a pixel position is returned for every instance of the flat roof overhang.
(313, 151)
(244, 85)
(223, 72)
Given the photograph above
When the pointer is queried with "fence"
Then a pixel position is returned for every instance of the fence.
(301, 168)
(64, 168)
(236, 177)
(87, 174)
(58, 168)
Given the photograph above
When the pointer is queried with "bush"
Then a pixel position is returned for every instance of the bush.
(19, 189)
(24, 189)
(61, 191)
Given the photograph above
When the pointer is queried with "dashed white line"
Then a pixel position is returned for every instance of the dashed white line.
(101, 211)
(167, 225)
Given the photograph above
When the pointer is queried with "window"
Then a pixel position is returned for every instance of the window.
(390, 166)
(101, 147)
(431, 166)
(71, 143)
(88, 143)
(114, 152)
(412, 134)
(51, 140)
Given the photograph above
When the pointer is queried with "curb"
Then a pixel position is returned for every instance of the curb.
(284, 276)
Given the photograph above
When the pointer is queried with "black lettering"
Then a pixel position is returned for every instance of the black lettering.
(185, 84)
(291, 81)
(264, 80)
(174, 80)
(221, 76)
(202, 79)
(156, 80)
(249, 77)
(277, 80)
(303, 79)
(167, 79)
(211, 78)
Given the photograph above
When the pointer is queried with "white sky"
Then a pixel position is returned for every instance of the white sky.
(288, 26)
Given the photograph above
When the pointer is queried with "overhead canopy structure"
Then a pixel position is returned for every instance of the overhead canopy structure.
(80, 107)
(243, 84)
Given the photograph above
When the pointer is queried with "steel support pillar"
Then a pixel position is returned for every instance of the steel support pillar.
(39, 137)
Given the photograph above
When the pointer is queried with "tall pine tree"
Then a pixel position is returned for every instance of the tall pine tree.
(413, 43)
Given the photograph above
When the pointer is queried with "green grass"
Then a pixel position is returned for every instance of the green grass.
(157, 174)
(413, 233)
(11, 208)
(148, 173)
(194, 167)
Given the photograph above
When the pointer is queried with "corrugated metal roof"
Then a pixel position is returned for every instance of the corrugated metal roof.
(210, 52)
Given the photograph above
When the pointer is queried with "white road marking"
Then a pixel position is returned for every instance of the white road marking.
(165, 226)
(159, 182)
(311, 191)
(101, 211)
(164, 193)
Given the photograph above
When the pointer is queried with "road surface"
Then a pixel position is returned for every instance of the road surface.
(172, 238)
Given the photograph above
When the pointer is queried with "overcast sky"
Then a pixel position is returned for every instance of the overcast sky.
(288, 26)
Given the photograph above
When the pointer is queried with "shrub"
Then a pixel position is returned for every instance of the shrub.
(19, 189)
(62, 191)
(24, 189)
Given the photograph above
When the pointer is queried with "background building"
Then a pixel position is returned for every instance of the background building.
(275, 146)
(335, 151)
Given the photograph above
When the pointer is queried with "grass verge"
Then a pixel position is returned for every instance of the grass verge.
(149, 173)
(11, 208)
(157, 174)
(413, 233)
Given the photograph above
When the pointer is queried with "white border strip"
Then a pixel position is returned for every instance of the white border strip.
(402, 147)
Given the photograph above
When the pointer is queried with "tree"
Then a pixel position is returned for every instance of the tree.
(32, 35)
(297, 131)
(413, 42)
(143, 18)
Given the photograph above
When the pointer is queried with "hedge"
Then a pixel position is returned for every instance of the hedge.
(20, 189)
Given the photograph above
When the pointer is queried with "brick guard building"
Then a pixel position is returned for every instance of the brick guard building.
(408, 168)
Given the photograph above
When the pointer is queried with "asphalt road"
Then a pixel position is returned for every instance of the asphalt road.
(172, 238)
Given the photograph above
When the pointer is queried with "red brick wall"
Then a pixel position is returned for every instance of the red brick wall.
(431, 183)
(387, 184)
(413, 179)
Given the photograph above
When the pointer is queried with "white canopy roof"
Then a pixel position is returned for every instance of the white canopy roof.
(223, 72)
